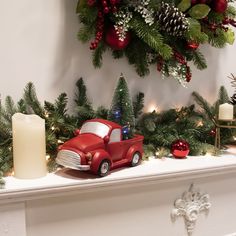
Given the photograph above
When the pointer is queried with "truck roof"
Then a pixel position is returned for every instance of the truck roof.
(111, 124)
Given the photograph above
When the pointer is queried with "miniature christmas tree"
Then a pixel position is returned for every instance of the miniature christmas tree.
(121, 110)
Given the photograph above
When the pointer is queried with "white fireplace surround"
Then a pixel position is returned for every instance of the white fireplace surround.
(128, 200)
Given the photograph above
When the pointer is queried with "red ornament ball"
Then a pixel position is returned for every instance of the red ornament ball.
(219, 6)
(180, 148)
(113, 40)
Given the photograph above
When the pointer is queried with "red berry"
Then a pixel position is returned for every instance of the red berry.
(114, 9)
(104, 3)
(106, 10)
(100, 14)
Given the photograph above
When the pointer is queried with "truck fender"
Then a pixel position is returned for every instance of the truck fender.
(134, 148)
(97, 159)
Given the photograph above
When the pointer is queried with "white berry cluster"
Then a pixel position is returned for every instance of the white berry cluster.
(122, 23)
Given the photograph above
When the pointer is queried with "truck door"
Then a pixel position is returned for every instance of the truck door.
(115, 145)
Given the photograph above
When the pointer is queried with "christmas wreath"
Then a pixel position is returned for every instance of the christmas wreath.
(164, 33)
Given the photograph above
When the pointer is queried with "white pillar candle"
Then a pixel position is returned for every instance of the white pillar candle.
(226, 112)
(29, 146)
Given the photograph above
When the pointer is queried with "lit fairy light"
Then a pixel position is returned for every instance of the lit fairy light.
(199, 123)
(52, 128)
(152, 108)
(59, 141)
(47, 157)
(46, 114)
(208, 154)
(157, 153)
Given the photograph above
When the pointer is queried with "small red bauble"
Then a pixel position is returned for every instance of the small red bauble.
(220, 6)
(113, 40)
(213, 132)
(180, 148)
(192, 45)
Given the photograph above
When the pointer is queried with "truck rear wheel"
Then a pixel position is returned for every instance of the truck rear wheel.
(104, 168)
(136, 158)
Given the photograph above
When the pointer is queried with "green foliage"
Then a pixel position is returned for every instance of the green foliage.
(138, 58)
(223, 96)
(138, 105)
(102, 112)
(86, 33)
(2, 181)
(231, 12)
(83, 106)
(199, 11)
(121, 101)
(195, 32)
(161, 129)
(97, 55)
(211, 112)
(151, 42)
(199, 60)
(203, 103)
(32, 103)
(151, 36)
(218, 38)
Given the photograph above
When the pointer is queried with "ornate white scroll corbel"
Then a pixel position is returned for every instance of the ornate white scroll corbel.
(190, 206)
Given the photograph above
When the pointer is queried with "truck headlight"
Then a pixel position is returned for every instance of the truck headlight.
(89, 156)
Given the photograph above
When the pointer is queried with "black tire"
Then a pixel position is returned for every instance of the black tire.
(104, 168)
(136, 158)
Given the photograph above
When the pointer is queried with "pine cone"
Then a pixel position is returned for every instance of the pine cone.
(172, 20)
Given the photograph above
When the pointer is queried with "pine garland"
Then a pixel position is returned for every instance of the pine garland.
(159, 129)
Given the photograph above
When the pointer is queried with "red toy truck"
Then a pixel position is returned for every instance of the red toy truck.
(99, 147)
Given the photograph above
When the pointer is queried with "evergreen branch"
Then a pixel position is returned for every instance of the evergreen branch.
(223, 96)
(102, 112)
(233, 81)
(10, 106)
(21, 106)
(81, 98)
(49, 107)
(204, 105)
(86, 32)
(97, 55)
(117, 54)
(138, 104)
(33, 104)
(195, 33)
(217, 39)
(151, 36)
(138, 57)
(61, 103)
(88, 15)
(199, 60)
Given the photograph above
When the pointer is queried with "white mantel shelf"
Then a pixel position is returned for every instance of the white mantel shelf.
(65, 182)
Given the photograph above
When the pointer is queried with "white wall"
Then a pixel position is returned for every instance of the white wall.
(38, 43)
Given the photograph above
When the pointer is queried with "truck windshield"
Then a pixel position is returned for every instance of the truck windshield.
(97, 128)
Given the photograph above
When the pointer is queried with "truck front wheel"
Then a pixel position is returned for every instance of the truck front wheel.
(104, 168)
(136, 158)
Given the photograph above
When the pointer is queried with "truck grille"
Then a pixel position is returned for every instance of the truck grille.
(68, 159)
